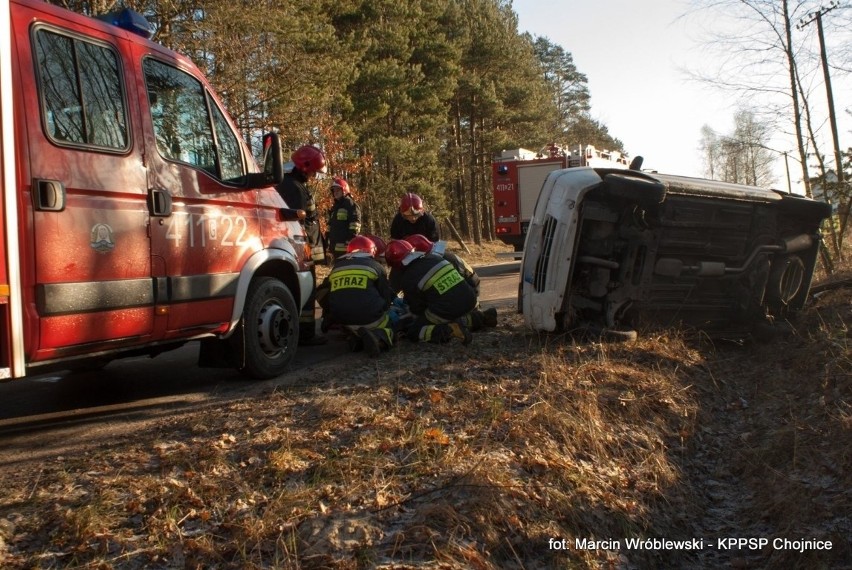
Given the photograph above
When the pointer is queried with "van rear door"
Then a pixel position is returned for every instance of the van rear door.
(86, 189)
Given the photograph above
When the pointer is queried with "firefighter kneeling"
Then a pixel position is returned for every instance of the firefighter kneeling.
(476, 319)
(356, 294)
(436, 294)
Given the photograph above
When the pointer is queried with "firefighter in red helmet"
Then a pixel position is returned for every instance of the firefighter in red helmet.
(356, 294)
(344, 219)
(308, 161)
(435, 292)
(413, 218)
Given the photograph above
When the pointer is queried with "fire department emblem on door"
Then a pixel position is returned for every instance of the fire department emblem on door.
(102, 238)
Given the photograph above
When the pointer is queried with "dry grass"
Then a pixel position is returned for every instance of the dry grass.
(453, 457)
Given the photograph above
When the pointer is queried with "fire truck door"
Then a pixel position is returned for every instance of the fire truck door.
(89, 217)
(203, 227)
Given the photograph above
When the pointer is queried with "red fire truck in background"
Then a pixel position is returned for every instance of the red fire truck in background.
(518, 175)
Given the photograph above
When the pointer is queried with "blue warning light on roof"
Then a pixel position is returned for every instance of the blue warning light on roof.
(127, 19)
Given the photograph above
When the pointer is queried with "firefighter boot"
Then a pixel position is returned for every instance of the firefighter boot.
(460, 332)
(354, 342)
(437, 334)
(489, 317)
(373, 342)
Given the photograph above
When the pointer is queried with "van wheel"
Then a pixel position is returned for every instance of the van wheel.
(269, 330)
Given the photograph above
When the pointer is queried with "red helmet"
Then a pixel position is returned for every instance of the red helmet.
(381, 246)
(411, 204)
(397, 250)
(340, 183)
(420, 242)
(361, 244)
(309, 159)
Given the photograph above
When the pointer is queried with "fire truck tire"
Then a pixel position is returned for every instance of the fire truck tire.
(639, 191)
(268, 333)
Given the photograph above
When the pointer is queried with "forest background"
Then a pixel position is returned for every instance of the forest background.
(420, 95)
(402, 95)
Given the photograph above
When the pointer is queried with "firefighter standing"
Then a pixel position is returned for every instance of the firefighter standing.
(344, 220)
(356, 294)
(436, 293)
(307, 161)
(476, 319)
(413, 218)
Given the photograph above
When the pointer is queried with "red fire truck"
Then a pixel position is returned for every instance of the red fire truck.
(518, 175)
(133, 216)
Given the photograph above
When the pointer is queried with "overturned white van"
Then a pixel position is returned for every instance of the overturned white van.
(614, 251)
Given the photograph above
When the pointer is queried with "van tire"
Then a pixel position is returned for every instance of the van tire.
(268, 332)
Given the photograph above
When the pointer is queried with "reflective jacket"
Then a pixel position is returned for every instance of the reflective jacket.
(464, 269)
(344, 222)
(356, 291)
(432, 283)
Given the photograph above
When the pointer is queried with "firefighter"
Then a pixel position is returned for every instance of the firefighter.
(344, 220)
(475, 320)
(413, 218)
(356, 294)
(308, 161)
(435, 292)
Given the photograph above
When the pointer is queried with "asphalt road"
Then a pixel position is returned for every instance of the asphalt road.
(146, 387)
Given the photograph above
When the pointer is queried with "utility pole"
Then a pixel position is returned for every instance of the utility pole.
(817, 16)
(838, 236)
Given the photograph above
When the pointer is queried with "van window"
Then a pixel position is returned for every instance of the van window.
(182, 123)
(81, 92)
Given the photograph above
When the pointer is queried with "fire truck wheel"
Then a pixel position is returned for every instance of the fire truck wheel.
(269, 331)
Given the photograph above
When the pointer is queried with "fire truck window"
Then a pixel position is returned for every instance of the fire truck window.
(102, 95)
(81, 92)
(179, 111)
(230, 157)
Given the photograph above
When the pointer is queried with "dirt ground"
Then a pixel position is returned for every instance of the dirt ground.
(518, 451)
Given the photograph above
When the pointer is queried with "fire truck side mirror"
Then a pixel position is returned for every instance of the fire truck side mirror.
(273, 163)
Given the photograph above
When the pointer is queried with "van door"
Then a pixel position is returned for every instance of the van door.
(87, 191)
(204, 225)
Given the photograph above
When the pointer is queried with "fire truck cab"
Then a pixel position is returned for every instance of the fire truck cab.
(518, 175)
(133, 216)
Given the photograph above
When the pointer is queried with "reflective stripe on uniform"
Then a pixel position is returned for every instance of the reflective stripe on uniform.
(352, 277)
(444, 279)
(425, 333)
(422, 284)
(433, 318)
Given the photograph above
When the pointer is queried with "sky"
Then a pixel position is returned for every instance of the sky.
(633, 54)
